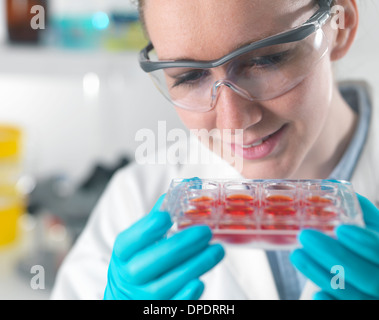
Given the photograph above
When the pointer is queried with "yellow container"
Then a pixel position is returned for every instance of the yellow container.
(11, 208)
(11, 201)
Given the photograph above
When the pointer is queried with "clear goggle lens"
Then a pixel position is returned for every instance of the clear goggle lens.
(261, 74)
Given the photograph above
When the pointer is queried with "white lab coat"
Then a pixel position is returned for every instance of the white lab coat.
(244, 273)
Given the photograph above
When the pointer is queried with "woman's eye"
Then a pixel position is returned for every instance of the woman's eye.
(269, 60)
(190, 78)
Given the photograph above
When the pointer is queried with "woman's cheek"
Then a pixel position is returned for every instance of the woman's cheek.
(310, 101)
(197, 120)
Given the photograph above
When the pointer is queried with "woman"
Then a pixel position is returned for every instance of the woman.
(265, 67)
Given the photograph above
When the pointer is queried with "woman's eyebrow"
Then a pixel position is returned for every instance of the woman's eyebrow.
(239, 46)
(234, 48)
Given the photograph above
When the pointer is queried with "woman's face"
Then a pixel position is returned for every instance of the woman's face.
(291, 124)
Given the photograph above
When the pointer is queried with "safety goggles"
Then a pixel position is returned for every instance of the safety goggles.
(262, 70)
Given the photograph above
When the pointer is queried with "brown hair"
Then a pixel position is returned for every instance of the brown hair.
(141, 4)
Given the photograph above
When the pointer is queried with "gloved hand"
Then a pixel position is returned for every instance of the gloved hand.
(145, 265)
(356, 249)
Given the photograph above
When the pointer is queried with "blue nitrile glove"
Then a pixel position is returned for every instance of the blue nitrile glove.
(145, 265)
(356, 249)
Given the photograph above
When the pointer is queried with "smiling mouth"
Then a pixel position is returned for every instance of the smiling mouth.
(262, 148)
(259, 142)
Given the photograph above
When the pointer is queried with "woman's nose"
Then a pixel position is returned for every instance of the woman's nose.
(234, 108)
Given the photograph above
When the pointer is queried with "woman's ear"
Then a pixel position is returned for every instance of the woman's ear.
(346, 11)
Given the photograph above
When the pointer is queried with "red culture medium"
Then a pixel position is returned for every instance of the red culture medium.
(263, 213)
(279, 212)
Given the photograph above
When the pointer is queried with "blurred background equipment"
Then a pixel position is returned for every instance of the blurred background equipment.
(59, 211)
(73, 88)
(12, 203)
(19, 17)
(71, 205)
(85, 24)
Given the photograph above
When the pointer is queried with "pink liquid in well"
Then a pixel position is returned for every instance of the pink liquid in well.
(239, 205)
(279, 213)
(201, 207)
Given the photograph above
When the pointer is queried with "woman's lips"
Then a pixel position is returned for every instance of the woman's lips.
(259, 149)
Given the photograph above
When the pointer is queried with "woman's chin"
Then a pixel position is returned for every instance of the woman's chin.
(265, 171)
